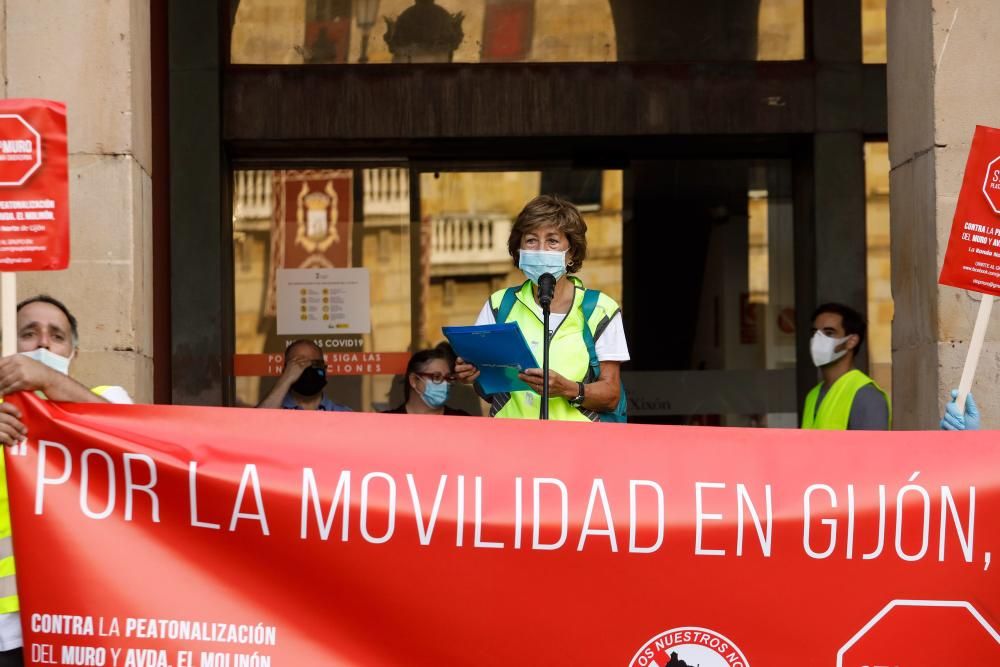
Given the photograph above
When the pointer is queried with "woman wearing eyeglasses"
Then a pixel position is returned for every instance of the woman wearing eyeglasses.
(427, 383)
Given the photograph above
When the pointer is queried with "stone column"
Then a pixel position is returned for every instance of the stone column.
(942, 83)
(94, 56)
(838, 158)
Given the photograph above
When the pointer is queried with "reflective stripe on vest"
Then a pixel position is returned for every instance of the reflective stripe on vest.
(568, 354)
(834, 412)
(8, 582)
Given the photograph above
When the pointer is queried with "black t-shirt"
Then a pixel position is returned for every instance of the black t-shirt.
(450, 412)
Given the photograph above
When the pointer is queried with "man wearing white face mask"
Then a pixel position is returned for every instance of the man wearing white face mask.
(46, 343)
(846, 399)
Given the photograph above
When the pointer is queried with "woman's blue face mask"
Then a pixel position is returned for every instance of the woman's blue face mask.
(435, 393)
(534, 263)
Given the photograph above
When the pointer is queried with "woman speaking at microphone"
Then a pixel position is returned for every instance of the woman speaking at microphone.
(587, 344)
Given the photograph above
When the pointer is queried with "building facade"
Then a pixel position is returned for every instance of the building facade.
(730, 159)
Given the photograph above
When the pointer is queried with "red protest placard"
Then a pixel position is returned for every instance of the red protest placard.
(34, 186)
(972, 260)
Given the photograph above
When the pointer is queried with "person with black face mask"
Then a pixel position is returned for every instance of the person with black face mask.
(846, 399)
(301, 384)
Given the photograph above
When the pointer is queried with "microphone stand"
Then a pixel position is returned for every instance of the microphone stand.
(546, 289)
(544, 413)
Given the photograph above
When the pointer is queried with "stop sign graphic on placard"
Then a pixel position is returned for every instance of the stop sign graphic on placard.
(20, 150)
(991, 186)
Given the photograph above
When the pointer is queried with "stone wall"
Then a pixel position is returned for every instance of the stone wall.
(94, 56)
(942, 83)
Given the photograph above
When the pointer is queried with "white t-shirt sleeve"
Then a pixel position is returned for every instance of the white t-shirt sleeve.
(486, 315)
(116, 395)
(10, 631)
(612, 346)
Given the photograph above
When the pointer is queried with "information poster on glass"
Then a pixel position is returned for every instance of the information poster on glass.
(323, 301)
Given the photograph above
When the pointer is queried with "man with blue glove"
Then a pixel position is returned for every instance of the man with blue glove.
(954, 420)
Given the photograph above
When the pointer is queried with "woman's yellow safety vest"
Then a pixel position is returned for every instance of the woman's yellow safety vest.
(834, 412)
(568, 352)
(8, 582)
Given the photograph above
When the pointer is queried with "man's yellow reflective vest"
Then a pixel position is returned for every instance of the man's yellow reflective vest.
(834, 412)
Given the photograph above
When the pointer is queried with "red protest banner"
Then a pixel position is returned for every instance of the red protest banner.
(972, 260)
(34, 186)
(208, 536)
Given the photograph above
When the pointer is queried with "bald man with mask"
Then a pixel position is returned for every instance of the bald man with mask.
(302, 381)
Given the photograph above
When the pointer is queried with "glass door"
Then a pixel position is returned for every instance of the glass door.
(370, 261)
(323, 255)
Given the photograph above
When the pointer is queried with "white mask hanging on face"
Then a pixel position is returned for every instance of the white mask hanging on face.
(823, 349)
(54, 361)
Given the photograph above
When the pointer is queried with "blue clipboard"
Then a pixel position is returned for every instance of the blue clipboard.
(499, 351)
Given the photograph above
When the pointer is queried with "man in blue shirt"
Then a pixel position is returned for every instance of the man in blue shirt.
(301, 384)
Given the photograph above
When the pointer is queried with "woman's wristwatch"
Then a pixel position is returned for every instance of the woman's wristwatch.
(577, 401)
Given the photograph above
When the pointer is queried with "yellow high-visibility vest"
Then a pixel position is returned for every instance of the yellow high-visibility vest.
(568, 352)
(834, 412)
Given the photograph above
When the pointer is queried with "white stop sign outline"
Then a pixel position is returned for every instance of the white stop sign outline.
(960, 604)
(989, 170)
(38, 150)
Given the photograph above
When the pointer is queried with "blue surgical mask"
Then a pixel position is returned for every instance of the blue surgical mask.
(54, 361)
(536, 262)
(435, 393)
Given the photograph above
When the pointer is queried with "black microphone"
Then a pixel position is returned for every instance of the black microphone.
(546, 288)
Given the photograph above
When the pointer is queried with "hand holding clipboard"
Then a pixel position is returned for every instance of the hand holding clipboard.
(499, 351)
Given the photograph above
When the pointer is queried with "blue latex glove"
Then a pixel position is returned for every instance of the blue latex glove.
(953, 421)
